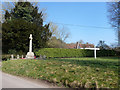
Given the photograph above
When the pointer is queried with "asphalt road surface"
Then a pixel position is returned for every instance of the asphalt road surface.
(9, 81)
(0, 76)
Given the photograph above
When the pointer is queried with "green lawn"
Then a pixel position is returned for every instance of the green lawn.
(70, 72)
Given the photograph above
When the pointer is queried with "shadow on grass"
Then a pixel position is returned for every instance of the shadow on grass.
(108, 64)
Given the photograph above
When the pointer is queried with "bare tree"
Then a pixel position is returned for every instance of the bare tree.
(81, 41)
(64, 34)
(54, 29)
(114, 17)
(59, 33)
(102, 45)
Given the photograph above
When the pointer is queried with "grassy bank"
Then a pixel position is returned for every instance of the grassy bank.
(70, 72)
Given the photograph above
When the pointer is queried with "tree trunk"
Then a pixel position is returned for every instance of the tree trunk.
(119, 24)
(118, 38)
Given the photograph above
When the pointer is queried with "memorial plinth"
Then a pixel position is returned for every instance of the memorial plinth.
(30, 54)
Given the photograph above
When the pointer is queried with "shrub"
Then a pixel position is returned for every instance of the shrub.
(102, 53)
(67, 53)
(5, 57)
(60, 52)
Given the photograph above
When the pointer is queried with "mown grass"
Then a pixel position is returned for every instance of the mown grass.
(70, 72)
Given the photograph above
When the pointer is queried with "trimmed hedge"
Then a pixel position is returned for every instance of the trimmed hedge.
(106, 53)
(60, 52)
(67, 53)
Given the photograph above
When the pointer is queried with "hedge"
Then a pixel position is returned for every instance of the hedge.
(60, 52)
(106, 53)
(67, 53)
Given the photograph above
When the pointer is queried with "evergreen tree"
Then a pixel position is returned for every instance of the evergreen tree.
(20, 22)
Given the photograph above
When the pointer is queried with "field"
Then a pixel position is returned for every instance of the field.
(70, 72)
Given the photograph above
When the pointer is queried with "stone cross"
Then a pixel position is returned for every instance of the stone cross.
(22, 56)
(18, 57)
(30, 54)
(12, 57)
(44, 57)
(30, 47)
(40, 57)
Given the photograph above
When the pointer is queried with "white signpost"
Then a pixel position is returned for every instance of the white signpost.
(92, 49)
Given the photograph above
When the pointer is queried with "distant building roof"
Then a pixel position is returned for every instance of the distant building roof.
(72, 45)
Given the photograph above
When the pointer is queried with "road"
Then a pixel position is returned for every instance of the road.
(0, 75)
(10, 81)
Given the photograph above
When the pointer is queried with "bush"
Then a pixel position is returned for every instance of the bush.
(12, 51)
(67, 53)
(5, 57)
(60, 52)
(102, 53)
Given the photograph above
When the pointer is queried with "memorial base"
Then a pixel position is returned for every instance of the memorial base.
(30, 55)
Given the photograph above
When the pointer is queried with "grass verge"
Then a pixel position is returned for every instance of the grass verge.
(70, 72)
